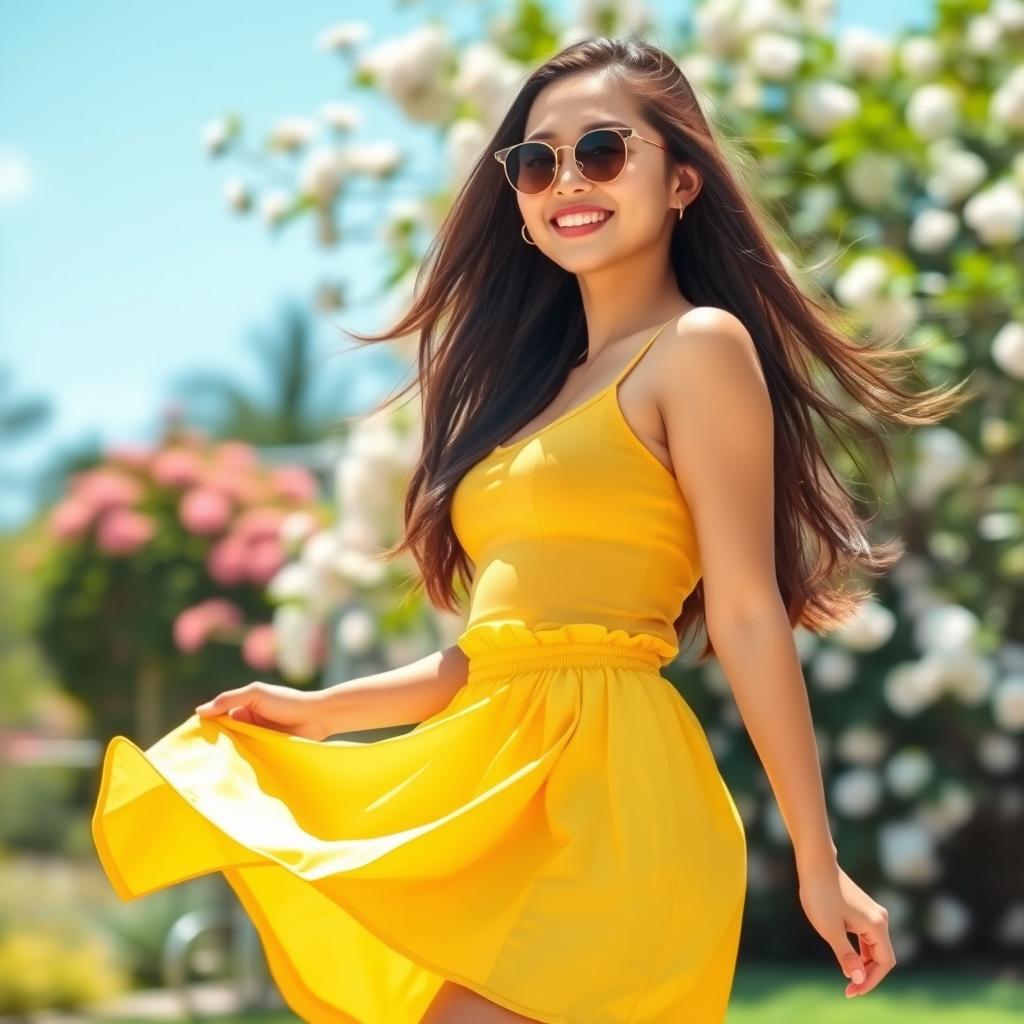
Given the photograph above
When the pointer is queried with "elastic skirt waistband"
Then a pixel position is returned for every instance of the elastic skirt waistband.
(485, 665)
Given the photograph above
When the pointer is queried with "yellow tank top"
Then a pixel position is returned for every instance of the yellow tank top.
(577, 533)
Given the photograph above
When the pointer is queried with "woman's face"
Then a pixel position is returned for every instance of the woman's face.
(643, 200)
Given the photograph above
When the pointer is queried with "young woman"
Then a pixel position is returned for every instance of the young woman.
(615, 367)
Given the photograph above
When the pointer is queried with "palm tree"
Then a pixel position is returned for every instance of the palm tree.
(296, 411)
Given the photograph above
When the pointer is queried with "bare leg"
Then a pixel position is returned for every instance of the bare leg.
(455, 1004)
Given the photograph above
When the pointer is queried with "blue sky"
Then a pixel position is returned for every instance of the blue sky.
(120, 264)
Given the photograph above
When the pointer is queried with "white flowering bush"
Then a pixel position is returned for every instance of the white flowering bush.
(898, 167)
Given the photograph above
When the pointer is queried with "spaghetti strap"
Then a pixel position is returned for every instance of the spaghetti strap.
(639, 355)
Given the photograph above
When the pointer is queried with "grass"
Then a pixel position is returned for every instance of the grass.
(782, 995)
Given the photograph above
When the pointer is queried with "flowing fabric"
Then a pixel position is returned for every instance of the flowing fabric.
(558, 838)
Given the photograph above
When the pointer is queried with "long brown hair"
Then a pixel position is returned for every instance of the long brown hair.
(500, 325)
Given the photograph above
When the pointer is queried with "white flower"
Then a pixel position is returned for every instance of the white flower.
(818, 14)
(864, 52)
(817, 203)
(996, 214)
(857, 792)
(933, 111)
(956, 172)
(236, 194)
(775, 56)
(274, 205)
(717, 27)
(910, 687)
(821, 106)
(1009, 14)
(1008, 349)
(861, 744)
(216, 134)
(946, 629)
(464, 140)
(863, 281)
(908, 770)
(292, 133)
(1008, 703)
(947, 920)
(984, 34)
(412, 70)
(295, 630)
(998, 752)
(872, 178)
(489, 78)
(933, 230)
(356, 631)
(700, 69)
(943, 459)
(292, 582)
(341, 116)
(374, 159)
(320, 175)
(1006, 104)
(921, 56)
(871, 627)
(747, 90)
(941, 817)
(897, 904)
(833, 670)
(295, 528)
(342, 36)
(966, 675)
(907, 853)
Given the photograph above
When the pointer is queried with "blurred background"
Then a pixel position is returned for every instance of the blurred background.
(197, 200)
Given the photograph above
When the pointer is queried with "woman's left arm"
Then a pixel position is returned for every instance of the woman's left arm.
(718, 417)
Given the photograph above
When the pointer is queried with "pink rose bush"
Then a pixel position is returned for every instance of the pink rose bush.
(205, 521)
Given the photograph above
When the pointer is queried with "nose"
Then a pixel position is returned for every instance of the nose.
(572, 161)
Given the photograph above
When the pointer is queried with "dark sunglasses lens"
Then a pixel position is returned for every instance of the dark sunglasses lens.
(530, 167)
(601, 154)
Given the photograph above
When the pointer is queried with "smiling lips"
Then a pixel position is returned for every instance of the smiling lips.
(581, 220)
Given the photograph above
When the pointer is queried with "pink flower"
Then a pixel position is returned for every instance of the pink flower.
(238, 482)
(259, 648)
(134, 456)
(261, 521)
(228, 559)
(194, 626)
(204, 510)
(236, 454)
(294, 483)
(177, 467)
(71, 518)
(106, 487)
(265, 557)
(122, 531)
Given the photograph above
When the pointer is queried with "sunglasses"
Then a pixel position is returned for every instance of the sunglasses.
(600, 155)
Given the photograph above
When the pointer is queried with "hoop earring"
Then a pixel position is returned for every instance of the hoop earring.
(522, 231)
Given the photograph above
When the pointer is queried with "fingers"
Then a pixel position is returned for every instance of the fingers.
(877, 954)
(242, 696)
(851, 963)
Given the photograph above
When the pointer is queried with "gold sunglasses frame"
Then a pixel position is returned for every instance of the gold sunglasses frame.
(501, 155)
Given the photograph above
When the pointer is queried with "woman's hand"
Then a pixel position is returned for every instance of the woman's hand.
(835, 905)
(297, 712)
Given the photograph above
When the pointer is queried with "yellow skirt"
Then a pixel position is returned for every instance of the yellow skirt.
(558, 839)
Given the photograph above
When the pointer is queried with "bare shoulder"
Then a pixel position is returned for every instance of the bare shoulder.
(711, 353)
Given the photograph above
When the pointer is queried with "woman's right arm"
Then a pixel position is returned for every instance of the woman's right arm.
(399, 696)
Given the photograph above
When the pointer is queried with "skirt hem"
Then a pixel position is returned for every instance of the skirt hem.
(293, 991)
